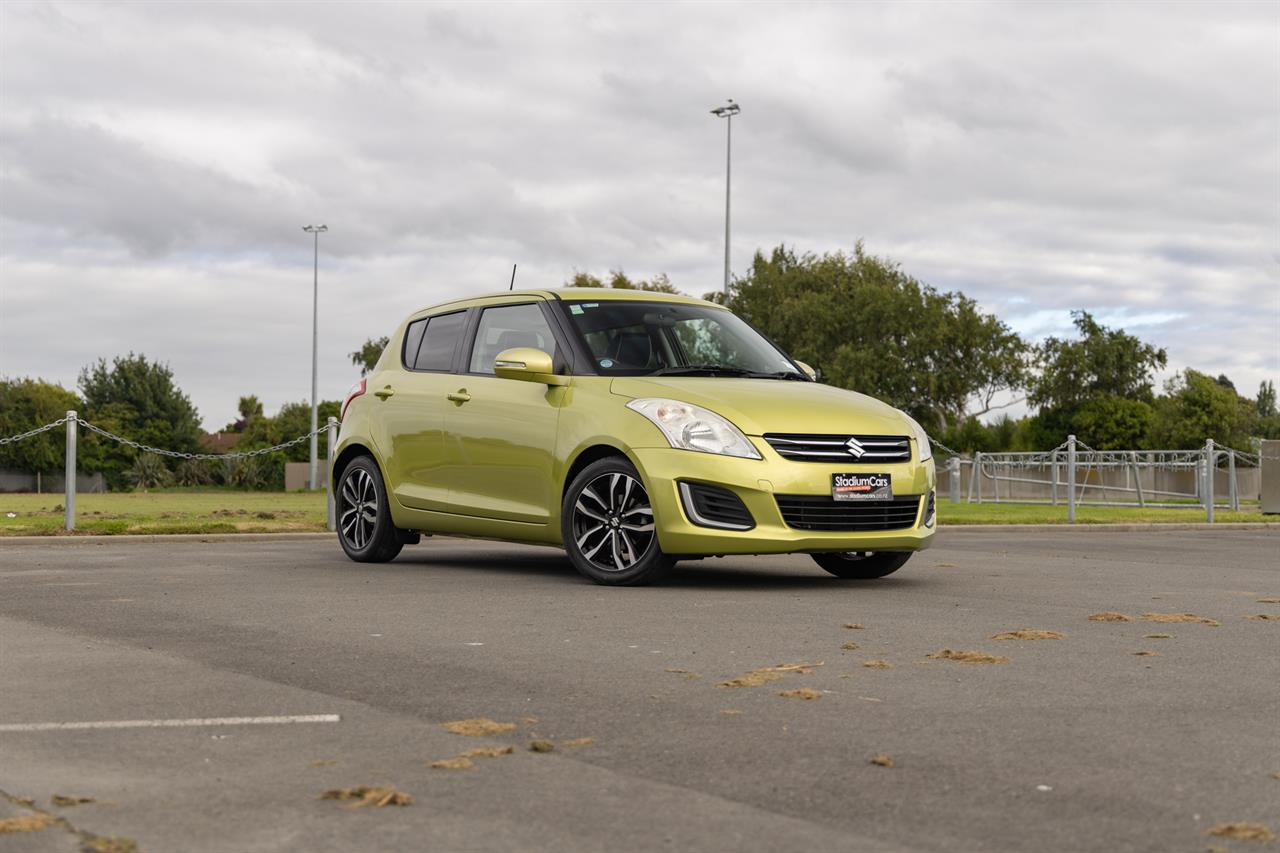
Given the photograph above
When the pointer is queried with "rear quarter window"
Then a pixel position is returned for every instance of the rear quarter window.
(439, 341)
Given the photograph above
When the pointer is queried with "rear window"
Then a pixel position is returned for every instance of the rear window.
(439, 340)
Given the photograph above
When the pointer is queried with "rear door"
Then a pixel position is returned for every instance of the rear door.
(410, 416)
(502, 438)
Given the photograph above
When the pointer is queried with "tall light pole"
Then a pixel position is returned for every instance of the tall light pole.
(727, 112)
(316, 231)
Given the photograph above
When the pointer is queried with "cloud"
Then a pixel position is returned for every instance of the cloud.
(157, 162)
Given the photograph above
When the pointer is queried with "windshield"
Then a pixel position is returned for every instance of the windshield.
(656, 338)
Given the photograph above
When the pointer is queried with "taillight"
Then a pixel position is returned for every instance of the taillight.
(356, 391)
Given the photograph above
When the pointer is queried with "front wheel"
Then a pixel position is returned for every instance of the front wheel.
(862, 565)
(365, 528)
(608, 526)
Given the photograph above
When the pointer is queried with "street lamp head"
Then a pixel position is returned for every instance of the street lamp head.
(313, 229)
(727, 111)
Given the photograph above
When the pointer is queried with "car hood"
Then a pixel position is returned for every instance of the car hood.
(759, 406)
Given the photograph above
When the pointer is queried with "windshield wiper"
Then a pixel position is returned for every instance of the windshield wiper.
(780, 374)
(702, 370)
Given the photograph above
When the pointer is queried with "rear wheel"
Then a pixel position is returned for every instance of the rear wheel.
(862, 565)
(608, 526)
(365, 528)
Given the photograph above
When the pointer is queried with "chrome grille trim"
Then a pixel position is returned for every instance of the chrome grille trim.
(834, 448)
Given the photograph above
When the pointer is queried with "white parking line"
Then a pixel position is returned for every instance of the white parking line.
(166, 724)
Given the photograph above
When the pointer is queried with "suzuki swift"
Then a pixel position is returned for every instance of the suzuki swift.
(632, 429)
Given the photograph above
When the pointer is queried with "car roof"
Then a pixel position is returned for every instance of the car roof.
(573, 294)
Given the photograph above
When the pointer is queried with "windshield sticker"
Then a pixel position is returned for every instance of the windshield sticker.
(575, 309)
(606, 362)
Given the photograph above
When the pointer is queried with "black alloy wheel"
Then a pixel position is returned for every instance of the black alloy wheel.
(365, 528)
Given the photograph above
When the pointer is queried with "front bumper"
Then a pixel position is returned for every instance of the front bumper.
(756, 482)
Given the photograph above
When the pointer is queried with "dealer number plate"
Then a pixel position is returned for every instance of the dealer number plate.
(861, 487)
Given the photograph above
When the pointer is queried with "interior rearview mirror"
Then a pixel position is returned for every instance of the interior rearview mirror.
(528, 365)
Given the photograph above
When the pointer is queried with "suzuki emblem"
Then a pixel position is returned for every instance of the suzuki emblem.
(855, 448)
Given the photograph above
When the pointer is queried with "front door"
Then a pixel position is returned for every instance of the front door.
(501, 433)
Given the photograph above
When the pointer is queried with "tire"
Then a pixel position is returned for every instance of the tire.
(608, 526)
(862, 565)
(361, 492)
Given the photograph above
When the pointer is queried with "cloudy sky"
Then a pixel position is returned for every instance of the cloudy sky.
(158, 160)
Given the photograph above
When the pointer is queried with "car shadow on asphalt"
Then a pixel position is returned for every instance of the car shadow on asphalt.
(688, 574)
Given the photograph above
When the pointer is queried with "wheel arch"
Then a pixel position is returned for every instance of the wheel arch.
(348, 454)
(587, 455)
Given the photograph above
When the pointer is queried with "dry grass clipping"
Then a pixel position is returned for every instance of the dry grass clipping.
(967, 656)
(64, 800)
(1272, 600)
(1264, 617)
(758, 677)
(1158, 637)
(579, 741)
(369, 795)
(1179, 617)
(802, 693)
(478, 727)
(460, 762)
(854, 626)
(27, 823)
(488, 752)
(877, 664)
(114, 844)
(882, 760)
(733, 712)
(851, 647)
(1109, 616)
(1244, 831)
(541, 746)
(1146, 654)
(1028, 634)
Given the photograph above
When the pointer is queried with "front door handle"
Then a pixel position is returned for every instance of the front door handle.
(460, 396)
(384, 393)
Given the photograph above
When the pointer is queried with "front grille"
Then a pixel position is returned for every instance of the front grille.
(820, 512)
(712, 506)
(841, 448)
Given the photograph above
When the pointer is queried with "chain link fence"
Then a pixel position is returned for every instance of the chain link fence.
(72, 422)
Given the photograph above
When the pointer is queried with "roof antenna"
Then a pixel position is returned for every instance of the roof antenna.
(513, 278)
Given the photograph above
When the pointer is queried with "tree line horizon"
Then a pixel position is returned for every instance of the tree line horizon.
(859, 319)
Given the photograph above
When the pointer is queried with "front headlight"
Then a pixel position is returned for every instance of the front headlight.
(922, 438)
(690, 427)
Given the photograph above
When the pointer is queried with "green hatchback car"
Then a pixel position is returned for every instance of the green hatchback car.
(632, 429)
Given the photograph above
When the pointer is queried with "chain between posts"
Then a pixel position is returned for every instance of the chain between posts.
(33, 432)
(176, 454)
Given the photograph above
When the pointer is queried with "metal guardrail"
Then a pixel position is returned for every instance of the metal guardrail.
(73, 421)
(1075, 473)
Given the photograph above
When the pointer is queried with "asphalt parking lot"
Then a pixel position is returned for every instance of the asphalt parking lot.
(1078, 743)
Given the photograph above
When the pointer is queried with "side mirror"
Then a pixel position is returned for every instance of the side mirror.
(808, 371)
(528, 365)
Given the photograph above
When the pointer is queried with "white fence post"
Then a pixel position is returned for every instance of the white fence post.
(1071, 479)
(1210, 463)
(977, 472)
(69, 498)
(953, 469)
(331, 434)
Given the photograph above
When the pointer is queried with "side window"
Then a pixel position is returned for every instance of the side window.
(509, 326)
(439, 341)
(412, 339)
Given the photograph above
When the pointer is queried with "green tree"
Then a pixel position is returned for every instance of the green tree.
(1102, 362)
(366, 358)
(138, 399)
(24, 405)
(293, 420)
(1266, 402)
(618, 280)
(1108, 422)
(868, 326)
(1194, 408)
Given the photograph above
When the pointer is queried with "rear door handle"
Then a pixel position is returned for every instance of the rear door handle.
(460, 396)
(384, 393)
